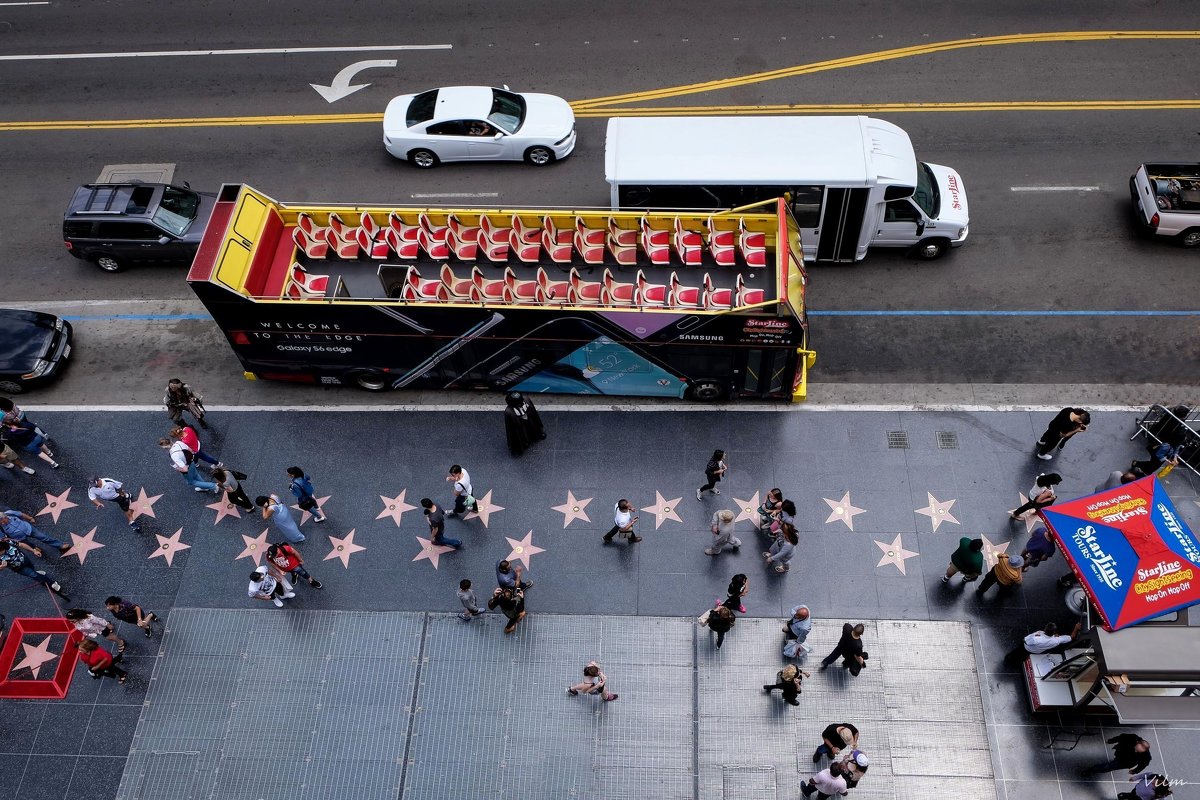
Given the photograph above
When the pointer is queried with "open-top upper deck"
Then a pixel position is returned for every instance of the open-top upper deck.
(724, 262)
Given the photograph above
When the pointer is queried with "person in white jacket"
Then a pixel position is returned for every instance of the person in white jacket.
(722, 528)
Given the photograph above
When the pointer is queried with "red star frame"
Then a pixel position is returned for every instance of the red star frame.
(56, 687)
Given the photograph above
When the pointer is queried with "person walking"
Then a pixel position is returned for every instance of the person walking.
(722, 529)
(265, 586)
(1041, 494)
(967, 559)
(12, 556)
(714, 471)
(180, 398)
(464, 500)
(18, 526)
(850, 649)
(23, 437)
(132, 614)
(191, 440)
(854, 766)
(470, 604)
(305, 494)
(720, 621)
(10, 459)
(1065, 424)
(183, 461)
(1007, 573)
(114, 492)
(1039, 548)
(94, 627)
(1130, 752)
(795, 632)
(788, 680)
(1147, 786)
(280, 516)
(783, 548)
(739, 587)
(623, 522)
(437, 524)
(10, 411)
(511, 603)
(228, 481)
(100, 663)
(509, 577)
(836, 737)
(288, 564)
(522, 423)
(1047, 640)
(826, 783)
(594, 681)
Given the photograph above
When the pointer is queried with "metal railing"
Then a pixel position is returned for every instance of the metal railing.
(1161, 423)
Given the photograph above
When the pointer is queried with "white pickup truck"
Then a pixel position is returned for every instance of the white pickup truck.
(1166, 200)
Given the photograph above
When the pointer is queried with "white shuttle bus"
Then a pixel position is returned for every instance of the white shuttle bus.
(852, 182)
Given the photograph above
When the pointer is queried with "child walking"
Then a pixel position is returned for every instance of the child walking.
(470, 604)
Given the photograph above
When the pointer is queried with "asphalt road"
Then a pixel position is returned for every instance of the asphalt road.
(1046, 251)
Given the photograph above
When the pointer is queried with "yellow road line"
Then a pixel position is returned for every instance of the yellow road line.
(858, 108)
(885, 55)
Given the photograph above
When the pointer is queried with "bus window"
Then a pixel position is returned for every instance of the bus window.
(806, 205)
(668, 197)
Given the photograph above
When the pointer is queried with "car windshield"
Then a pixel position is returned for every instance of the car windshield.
(421, 108)
(927, 195)
(177, 209)
(508, 110)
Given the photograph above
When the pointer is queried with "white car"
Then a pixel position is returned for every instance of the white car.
(478, 123)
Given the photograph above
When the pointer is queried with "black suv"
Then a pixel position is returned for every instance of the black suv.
(114, 224)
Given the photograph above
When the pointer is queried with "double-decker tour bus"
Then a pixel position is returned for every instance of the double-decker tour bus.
(704, 306)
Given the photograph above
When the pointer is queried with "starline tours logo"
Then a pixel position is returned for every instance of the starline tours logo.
(1104, 565)
(1176, 529)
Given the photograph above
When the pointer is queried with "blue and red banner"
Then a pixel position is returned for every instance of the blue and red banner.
(1134, 555)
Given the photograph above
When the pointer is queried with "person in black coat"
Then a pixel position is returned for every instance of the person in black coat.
(850, 648)
(1130, 752)
(522, 424)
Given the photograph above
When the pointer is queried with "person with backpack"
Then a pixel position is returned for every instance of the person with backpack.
(191, 440)
(788, 680)
(183, 461)
(593, 682)
(99, 661)
(114, 492)
(289, 563)
(305, 494)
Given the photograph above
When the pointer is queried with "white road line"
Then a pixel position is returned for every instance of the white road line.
(1055, 188)
(620, 407)
(32, 3)
(428, 195)
(251, 52)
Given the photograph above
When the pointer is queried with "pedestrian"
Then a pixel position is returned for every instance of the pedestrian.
(511, 603)
(1130, 752)
(280, 516)
(1007, 573)
(836, 737)
(783, 548)
(99, 661)
(850, 649)
(1047, 640)
(466, 596)
(623, 522)
(265, 586)
(94, 627)
(18, 526)
(522, 424)
(289, 564)
(12, 556)
(714, 471)
(1039, 548)
(131, 613)
(1120, 477)
(1066, 424)
(114, 492)
(437, 524)
(1148, 786)
(593, 682)
(720, 621)
(739, 587)
(305, 494)
(183, 461)
(722, 529)
(788, 680)
(1165, 452)
(787, 513)
(826, 783)
(768, 511)
(1040, 495)
(180, 398)
(227, 480)
(191, 440)
(795, 632)
(23, 437)
(10, 412)
(509, 577)
(9, 459)
(463, 498)
(854, 767)
(967, 559)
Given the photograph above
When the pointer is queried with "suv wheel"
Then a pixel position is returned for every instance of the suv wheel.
(11, 387)
(108, 263)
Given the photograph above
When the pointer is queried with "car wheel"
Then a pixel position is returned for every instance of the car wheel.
(108, 263)
(706, 392)
(1190, 237)
(370, 381)
(929, 249)
(11, 387)
(539, 156)
(423, 159)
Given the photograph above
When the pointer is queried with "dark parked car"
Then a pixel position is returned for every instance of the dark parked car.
(34, 348)
(115, 224)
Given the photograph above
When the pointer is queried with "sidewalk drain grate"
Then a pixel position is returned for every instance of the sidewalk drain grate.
(947, 440)
(897, 440)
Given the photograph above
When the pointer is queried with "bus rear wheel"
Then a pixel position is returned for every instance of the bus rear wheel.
(370, 381)
(706, 392)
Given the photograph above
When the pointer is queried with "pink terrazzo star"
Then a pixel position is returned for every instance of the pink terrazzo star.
(663, 509)
(35, 656)
(256, 547)
(993, 552)
(394, 507)
(895, 554)
(487, 507)
(522, 549)
(573, 509)
(82, 545)
(224, 509)
(431, 551)
(748, 510)
(938, 511)
(56, 504)
(843, 511)
(168, 546)
(343, 548)
(143, 505)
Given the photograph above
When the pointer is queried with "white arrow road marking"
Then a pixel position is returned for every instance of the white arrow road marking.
(341, 83)
(252, 52)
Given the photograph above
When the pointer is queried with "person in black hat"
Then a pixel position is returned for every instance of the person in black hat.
(522, 424)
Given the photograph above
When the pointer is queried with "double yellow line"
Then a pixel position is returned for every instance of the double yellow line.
(617, 105)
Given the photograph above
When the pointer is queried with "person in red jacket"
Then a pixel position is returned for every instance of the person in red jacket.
(191, 440)
(99, 661)
(287, 561)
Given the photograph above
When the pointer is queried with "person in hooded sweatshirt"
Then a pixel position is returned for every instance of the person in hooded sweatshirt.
(522, 424)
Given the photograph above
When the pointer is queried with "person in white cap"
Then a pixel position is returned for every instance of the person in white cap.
(854, 766)
(1007, 573)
